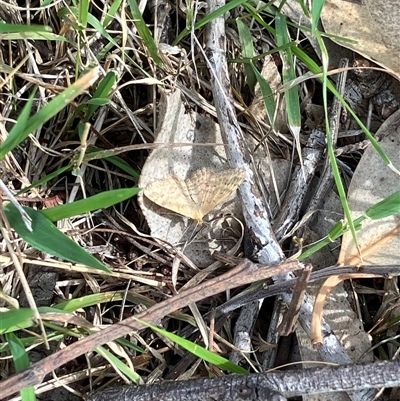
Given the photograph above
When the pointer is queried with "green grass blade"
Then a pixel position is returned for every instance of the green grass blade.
(317, 6)
(21, 362)
(95, 23)
(86, 301)
(118, 365)
(268, 97)
(304, 9)
(11, 28)
(334, 233)
(64, 13)
(389, 206)
(114, 7)
(385, 208)
(32, 341)
(199, 351)
(117, 161)
(331, 151)
(48, 112)
(102, 91)
(246, 41)
(100, 201)
(315, 69)
(18, 131)
(95, 153)
(47, 178)
(33, 36)
(210, 17)
(47, 238)
(255, 13)
(15, 320)
(83, 13)
(189, 14)
(288, 75)
(123, 165)
(144, 32)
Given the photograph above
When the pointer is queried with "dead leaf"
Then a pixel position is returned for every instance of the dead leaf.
(379, 240)
(372, 182)
(372, 24)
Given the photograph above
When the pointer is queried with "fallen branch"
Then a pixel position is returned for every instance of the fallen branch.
(263, 386)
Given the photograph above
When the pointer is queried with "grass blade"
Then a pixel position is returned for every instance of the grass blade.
(209, 17)
(385, 208)
(15, 320)
(47, 112)
(316, 9)
(21, 362)
(268, 97)
(47, 238)
(199, 351)
(83, 13)
(288, 75)
(100, 201)
(246, 42)
(118, 365)
(145, 33)
(331, 152)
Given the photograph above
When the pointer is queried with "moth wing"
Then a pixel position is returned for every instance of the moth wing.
(172, 193)
(209, 188)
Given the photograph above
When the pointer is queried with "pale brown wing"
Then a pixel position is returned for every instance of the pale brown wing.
(208, 188)
(172, 193)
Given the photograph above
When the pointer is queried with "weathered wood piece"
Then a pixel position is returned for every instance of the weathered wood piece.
(263, 387)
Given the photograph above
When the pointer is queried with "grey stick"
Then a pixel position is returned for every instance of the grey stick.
(263, 386)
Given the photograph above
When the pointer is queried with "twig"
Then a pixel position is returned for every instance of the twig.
(290, 318)
(279, 288)
(301, 180)
(326, 180)
(255, 214)
(264, 386)
(266, 248)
